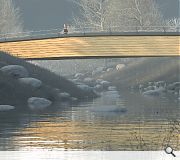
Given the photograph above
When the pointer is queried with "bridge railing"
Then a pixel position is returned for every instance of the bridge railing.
(90, 31)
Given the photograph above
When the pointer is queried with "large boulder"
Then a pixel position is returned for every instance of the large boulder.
(36, 83)
(15, 71)
(36, 103)
(6, 107)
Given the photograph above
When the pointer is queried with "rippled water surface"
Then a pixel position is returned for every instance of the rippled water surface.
(115, 121)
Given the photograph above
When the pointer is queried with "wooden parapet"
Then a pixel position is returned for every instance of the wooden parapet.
(94, 46)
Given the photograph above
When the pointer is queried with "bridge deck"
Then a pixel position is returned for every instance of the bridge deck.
(98, 46)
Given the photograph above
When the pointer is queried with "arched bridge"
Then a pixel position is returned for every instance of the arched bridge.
(93, 45)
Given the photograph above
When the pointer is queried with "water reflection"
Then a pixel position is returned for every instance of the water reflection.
(97, 125)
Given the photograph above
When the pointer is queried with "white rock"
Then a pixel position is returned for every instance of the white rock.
(79, 75)
(6, 107)
(88, 80)
(109, 69)
(120, 66)
(64, 95)
(15, 71)
(36, 83)
(36, 103)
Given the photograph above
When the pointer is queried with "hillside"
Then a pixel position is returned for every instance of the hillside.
(12, 92)
(145, 70)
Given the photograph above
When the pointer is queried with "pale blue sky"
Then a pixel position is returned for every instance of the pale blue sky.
(48, 14)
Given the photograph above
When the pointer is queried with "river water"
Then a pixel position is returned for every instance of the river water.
(116, 121)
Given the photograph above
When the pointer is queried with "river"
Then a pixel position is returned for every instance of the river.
(121, 120)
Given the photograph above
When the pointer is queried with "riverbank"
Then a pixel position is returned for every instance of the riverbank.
(20, 80)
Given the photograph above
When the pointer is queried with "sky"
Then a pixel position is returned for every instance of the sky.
(51, 14)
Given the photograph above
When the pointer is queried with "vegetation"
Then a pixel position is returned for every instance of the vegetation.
(124, 15)
(10, 18)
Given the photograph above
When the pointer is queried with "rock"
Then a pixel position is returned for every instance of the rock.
(64, 95)
(174, 86)
(79, 76)
(36, 103)
(98, 87)
(85, 87)
(98, 70)
(109, 69)
(15, 70)
(57, 90)
(150, 83)
(6, 107)
(111, 88)
(74, 99)
(156, 92)
(120, 66)
(88, 79)
(36, 83)
(149, 88)
(105, 84)
(99, 80)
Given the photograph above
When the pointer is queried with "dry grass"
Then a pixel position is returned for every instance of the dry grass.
(145, 70)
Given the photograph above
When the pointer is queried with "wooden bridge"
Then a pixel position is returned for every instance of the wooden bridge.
(94, 45)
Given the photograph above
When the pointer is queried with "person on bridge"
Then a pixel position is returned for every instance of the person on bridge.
(65, 29)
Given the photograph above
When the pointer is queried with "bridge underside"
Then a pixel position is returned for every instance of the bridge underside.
(99, 46)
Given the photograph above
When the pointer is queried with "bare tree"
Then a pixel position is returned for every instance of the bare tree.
(173, 25)
(93, 14)
(10, 20)
(119, 15)
(142, 14)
